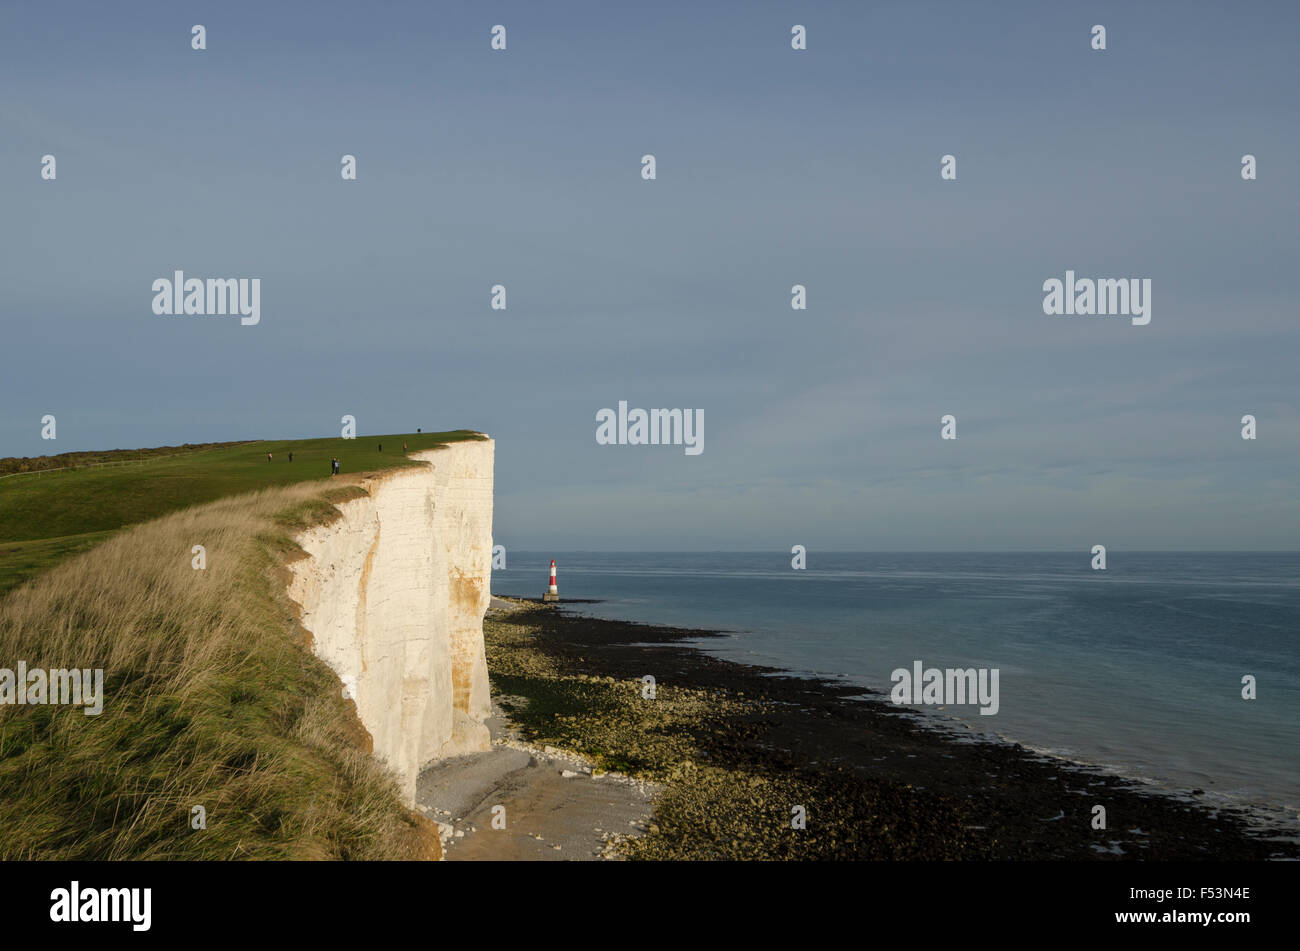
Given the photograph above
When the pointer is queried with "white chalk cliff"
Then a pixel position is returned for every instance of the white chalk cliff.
(394, 595)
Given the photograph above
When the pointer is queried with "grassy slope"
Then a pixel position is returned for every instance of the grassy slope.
(70, 511)
(92, 457)
(212, 695)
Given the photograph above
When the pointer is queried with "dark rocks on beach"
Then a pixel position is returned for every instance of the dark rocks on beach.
(741, 746)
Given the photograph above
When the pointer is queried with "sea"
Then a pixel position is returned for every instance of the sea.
(1137, 669)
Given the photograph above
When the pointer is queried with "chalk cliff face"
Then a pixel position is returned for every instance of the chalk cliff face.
(394, 595)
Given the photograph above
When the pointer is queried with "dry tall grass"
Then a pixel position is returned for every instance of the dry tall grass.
(211, 698)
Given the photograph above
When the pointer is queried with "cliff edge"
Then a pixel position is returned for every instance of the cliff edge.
(394, 594)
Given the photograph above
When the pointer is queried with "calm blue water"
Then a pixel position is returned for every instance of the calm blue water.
(1137, 668)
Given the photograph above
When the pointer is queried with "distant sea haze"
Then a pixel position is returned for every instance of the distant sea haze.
(1137, 668)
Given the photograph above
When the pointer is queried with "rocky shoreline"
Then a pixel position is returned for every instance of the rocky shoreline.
(744, 751)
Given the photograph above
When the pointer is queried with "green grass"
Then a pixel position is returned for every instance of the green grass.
(71, 510)
(212, 695)
(22, 560)
(93, 457)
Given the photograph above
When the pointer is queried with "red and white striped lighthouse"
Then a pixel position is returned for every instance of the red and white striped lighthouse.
(552, 593)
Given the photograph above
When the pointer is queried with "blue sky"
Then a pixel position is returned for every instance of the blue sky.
(775, 167)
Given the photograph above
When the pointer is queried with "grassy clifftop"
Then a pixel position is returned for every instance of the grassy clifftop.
(212, 696)
(46, 516)
(73, 460)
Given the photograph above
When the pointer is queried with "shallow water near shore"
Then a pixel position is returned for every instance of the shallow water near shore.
(1136, 668)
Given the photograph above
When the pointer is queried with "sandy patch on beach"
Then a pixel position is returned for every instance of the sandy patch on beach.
(557, 807)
